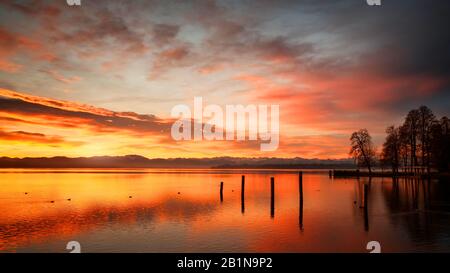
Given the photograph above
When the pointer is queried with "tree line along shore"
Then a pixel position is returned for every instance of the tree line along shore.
(418, 147)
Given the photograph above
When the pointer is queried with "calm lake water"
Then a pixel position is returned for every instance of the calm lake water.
(181, 211)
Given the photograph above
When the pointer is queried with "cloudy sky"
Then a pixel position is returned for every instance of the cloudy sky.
(102, 78)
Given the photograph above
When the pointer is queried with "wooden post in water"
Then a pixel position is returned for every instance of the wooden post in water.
(243, 194)
(300, 184)
(221, 191)
(300, 191)
(272, 197)
(366, 187)
(330, 173)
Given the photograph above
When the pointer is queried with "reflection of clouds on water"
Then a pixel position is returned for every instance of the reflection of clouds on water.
(69, 223)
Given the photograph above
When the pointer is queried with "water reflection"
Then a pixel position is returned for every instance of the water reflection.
(243, 194)
(300, 197)
(366, 191)
(342, 215)
(272, 197)
(221, 192)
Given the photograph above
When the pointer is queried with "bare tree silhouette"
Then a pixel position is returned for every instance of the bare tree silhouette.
(362, 149)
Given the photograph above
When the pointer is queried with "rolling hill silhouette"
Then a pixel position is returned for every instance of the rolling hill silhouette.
(137, 161)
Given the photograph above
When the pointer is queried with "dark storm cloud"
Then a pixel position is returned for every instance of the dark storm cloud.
(400, 38)
(408, 37)
(404, 37)
(36, 138)
(102, 123)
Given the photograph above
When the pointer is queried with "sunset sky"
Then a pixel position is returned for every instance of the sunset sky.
(102, 78)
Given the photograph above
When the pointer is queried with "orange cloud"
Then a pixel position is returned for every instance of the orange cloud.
(71, 106)
(338, 102)
(27, 137)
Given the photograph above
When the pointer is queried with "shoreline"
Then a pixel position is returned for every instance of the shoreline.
(357, 173)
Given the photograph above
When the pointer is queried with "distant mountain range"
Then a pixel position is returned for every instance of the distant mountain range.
(136, 161)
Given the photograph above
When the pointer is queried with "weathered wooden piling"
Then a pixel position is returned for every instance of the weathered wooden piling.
(243, 194)
(300, 191)
(365, 195)
(221, 191)
(300, 185)
(330, 173)
(272, 197)
(243, 186)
